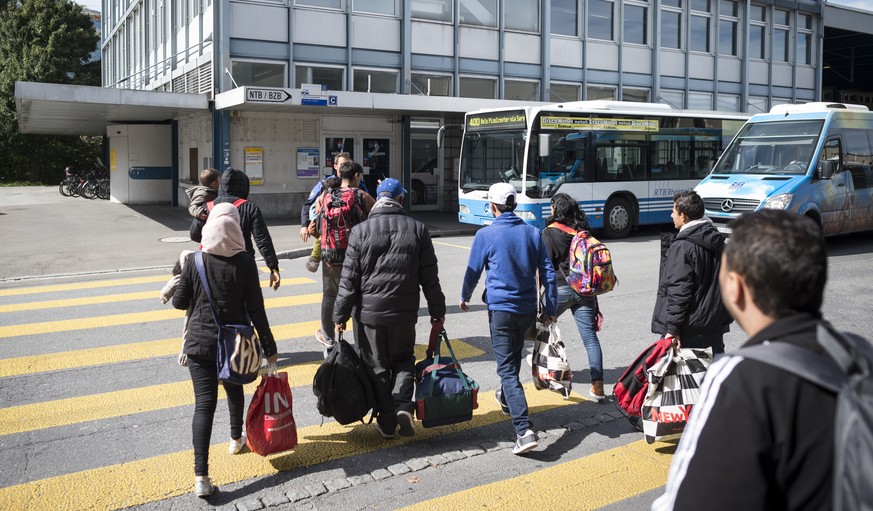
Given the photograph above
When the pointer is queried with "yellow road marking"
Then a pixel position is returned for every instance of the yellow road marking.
(62, 412)
(125, 297)
(91, 284)
(589, 483)
(152, 479)
(133, 317)
(450, 245)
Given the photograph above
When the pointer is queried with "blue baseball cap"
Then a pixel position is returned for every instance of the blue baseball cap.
(390, 188)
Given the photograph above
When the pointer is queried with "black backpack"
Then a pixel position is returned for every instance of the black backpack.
(343, 387)
(848, 373)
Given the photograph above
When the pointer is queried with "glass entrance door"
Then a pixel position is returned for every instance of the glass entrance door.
(426, 172)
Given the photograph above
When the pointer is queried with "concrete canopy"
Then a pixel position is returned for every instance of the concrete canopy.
(57, 109)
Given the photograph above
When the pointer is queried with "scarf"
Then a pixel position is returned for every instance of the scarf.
(222, 234)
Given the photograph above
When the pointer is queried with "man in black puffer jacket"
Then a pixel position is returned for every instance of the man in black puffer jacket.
(689, 308)
(389, 257)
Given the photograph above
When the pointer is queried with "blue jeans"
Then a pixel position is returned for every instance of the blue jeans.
(507, 342)
(584, 310)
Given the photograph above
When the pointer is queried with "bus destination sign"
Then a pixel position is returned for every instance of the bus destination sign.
(490, 120)
(597, 124)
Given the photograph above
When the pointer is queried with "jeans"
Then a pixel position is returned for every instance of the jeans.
(204, 376)
(507, 342)
(330, 279)
(389, 351)
(584, 311)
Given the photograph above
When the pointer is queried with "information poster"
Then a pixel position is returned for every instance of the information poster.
(334, 146)
(254, 165)
(375, 161)
(307, 162)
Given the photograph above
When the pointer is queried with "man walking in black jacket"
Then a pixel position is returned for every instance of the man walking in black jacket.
(689, 307)
(389, 257)
(761, 438)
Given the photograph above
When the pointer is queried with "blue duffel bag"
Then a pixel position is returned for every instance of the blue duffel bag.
(444, 394)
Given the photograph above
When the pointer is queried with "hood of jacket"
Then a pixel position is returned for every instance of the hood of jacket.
(234, 183)
(703, 234)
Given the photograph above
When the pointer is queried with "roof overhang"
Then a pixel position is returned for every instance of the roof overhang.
(56, 109)
(267, 99)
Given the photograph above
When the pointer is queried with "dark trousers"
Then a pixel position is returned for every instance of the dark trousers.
(711, 340)
(507, 341)
(204, 376)
(389, 351)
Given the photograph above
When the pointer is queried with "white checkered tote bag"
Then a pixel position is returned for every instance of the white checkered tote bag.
(549, 365)
(674, 386)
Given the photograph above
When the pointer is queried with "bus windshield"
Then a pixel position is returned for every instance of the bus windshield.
(492, 157)
(772, 148)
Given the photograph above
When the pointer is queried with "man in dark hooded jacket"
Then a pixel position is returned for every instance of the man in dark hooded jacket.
(235, 186)
(689, 308)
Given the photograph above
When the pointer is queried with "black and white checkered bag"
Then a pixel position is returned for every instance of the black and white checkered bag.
(549, 365)
(674, 386)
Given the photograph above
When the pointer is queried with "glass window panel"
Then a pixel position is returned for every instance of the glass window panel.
(376, 6)
(259, 74)
(756, 105)
(780, 17)
(671, 3)
(757, 13)
(560, 92)
(635, 24)
(523, 15)
(635, 95)
(780, 45)
(728, 103)
(331, 76)
(332, 4)
(700, 5)
(728, 8)
(479, 12)
(756, 42)
(727, 37)
(804, 21)
(368, 80)
(595, 92)
(522, 91)
(699, 101)
(600, 19)
(670, 29)
(699, 33)
(431, 85)
(478, 88)
(438, 10)
(674, 98)
(565, 17)
(804, 48)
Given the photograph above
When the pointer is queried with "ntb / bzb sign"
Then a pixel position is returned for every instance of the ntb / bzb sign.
(254, 95)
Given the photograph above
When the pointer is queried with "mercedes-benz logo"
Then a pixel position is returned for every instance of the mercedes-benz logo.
(727, 205)
(487, 207)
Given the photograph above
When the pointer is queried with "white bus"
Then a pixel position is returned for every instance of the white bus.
(622, 161)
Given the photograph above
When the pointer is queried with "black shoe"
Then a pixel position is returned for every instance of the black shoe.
(502, 402)
(383, 432)
(525, 442)
(404, 419)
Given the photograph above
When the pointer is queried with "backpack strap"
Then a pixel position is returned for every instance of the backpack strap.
(239, 202)
(562, 227)
(201, 270)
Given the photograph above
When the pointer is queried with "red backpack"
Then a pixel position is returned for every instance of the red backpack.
(630, 390)
(340, 211)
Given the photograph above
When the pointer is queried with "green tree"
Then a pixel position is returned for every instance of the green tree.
(43, 41)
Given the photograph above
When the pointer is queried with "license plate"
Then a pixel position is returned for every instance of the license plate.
(723, 229)
(487, 222)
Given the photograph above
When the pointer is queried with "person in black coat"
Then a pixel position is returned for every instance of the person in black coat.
(688, 307)
(389, 258)
(235, 285)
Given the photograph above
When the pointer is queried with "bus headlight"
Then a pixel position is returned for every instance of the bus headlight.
(464, 209)
(778, 201)
(526, 215)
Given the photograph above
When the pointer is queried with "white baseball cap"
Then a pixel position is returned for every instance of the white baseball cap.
(500, 192)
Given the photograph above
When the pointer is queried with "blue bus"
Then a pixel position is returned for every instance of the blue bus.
(622, 161)
(815, 159)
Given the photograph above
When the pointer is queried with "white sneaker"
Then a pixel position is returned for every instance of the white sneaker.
(203, 487)
(525, 442)
(235, 446)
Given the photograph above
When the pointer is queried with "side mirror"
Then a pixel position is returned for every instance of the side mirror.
(826, 169)
(545, 141)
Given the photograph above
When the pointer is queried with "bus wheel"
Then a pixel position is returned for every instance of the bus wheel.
(617, 221)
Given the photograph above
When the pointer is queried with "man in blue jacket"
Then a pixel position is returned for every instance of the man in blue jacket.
(512, 252)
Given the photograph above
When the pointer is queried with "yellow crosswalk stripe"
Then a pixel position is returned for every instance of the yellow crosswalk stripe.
(160, 477)
(133, 318)
(90, 284)
(124, 297)
(62, 412)
(587, 483)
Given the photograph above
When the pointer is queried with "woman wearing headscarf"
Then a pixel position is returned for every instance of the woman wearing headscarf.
(234, 281)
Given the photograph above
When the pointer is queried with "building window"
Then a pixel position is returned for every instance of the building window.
(671, 24)
(674, 98)
(701, 21)
(728, 103)
(438, 10)
(330, 4)
(635, 95)
(479, 12)
(431, 85)
(757, 31)
(598, 92)
(484, 88)
(756, 105)
(780, 35)
(699, 101)
(333, 77)
(521, 90)
(522, 15)
(260, 74)
(562, 92)
(636, 24)
(369, 80)
(804, 39)
(600, 14)
(565, 17)
(376, 6)
(728, 28)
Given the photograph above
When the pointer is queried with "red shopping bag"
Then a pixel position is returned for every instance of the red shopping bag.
(270, 426)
